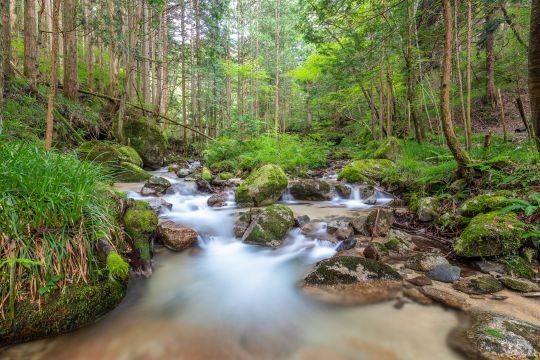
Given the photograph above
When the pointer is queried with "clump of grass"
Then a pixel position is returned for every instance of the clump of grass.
(50, 215)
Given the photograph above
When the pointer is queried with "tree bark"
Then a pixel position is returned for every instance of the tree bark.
(4, 14)
(183, 65)
(490, 97)
(90, 46)
(114, 56)
(30, 43)
(468, 127)
(53, 75)
(5, 33)
(146, 79)
(70, 50)
(461, 157)
(276, 96)
(534, 69)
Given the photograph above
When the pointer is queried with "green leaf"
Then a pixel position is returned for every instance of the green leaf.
(495, 333)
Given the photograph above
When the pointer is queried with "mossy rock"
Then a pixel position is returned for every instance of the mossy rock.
(147, 138)
(114, 200)
(490, 234)
(517, 266)
(263, 186)
(174, 168)
(118, 268)
(226, 175)
(349, 270)
(223, 166)
(78, 305)
(141, 223)
(481, 204)
(131, 173)
(390, 149)
(310, 189)
(206, 174)
(479, 284)
(362, 171)
(109, 153)
(269, 226)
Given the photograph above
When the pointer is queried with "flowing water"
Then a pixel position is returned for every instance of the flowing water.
(230, 300)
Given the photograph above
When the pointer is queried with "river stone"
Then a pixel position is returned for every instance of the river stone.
(519, 284)
(444, 297)
(346, 244)
(155, 186)
(445, 273)
(481, 204)
(340, 228)
(427, 209)
(390, 149)
(352, 280)
(244, 220)
(492, 336)
(489, 266)
(158, 204)
(490, 234)
(416, 295)
(399, 242)
(362, 171)
(359, 224)
(301, 220)
(376, 251)
(343, 190)
(478, 285)
(384, 221)
(270, 226)
(176, 237)
(425, 261)
(310, 189)
(264, 186)
(182, 173)
(420, 281)
(218, 200)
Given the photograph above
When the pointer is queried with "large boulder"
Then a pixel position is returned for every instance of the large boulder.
(147, 138)
(379, 221)
(141, 223)
(362, 171)
(390, 149)
(176, 237)
(264, 186)
(352, 280)
(310, 189)
(490, 234)
(481, 204)
(156, 185)
(492, 336)
(269, 227)
(123, 161)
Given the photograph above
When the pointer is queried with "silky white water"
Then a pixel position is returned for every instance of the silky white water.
(230, 300)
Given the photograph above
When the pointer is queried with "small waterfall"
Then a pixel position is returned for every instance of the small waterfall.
(287, 197)
(355, 194)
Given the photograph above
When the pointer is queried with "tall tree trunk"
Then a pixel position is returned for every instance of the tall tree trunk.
(193, 69)
(276, 96)
(70, 50)
(459, 74)
(158, 87)
(490, 97)
(5, 33)
(227, 76)
(114, 56)
(183, 65)
(198, 57)
(164, 65)
(54, 74)
(90, 50)
(4, 15)
(30, 43)
(468, 127)
(461, 157)
(146, 79)
(534, 69)
(381, 101)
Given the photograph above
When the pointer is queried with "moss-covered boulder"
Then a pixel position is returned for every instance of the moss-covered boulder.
(399, 242)
(363, 171)
(141, 223)
(76, 306)
(123, 161)
(117, 267)
(519, 284)
(490, 234)
(425, 261)
(518, 266)
(310, 189)
(379, 221)
(376, 251)
(156, 185)
(226, 175)
(390, 149)
(147, 138)
(427, 209)
(174, 168)
(481, 204)
(269, 226)
(264, 186)
(206, 174)
(115, 201)
(478, 284)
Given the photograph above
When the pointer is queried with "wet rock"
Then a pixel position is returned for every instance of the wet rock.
(343, 190)
(531, 294)
(301, 220)
(376, 251)
(379, 221)
(425, 261)
(489, 266)
(481, 204)
(399, 242)
(346, 244)
(341, 229)
(359, 224)
(218, 200)
(499, 297)
(310, 189)
(182, 173)
(427, 209)
(362, 171)
(390, 149)
(490, 235)
(420, 281)
(158, 204)
(352, 280)
(155, 186)
(176, 237)
(445, 273)
(244, 220)
(204, 186)
(478, 284)
(417, 296)
(444, 297)
(141, 222)
(518, 267)
(519, 284)
(270, 226)
(492, 336)
(263, 186)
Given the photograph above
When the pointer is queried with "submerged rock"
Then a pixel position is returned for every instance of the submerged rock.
(176, 237)
(362, 171)
(444, 273)
(492, 336)
(390, 149)
(479, 284)
(310, 189)
(352, 280)
(425, 261)
(269, 226)
(264, 186)
(416, 295)
(490, 234)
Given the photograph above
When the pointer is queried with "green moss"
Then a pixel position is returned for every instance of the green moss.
(225, 176)
(147, 138)
(174, 168)
(206, 175)
(263, 186)
(480, 284)
(481, 204)
(141, 222)
(272, 225)
(517, 266)
(76, 306)
(109, 153)
(516, 284)
(392, 244)
(223, 166)
(118, 268)
(131, 173)
(390, 149)
(490, 235)
(363, 170)
(130, 155)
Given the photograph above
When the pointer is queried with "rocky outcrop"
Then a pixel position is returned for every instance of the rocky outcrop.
(390, 149)
(176, 237)
(263, 186)
(363, 171)
(310, 189)
(266, 227)
(147, 138)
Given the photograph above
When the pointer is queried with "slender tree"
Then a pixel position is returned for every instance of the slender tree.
(54, 73)
(30, 43)
(534, 69)
(276, 96)
(70, 50)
